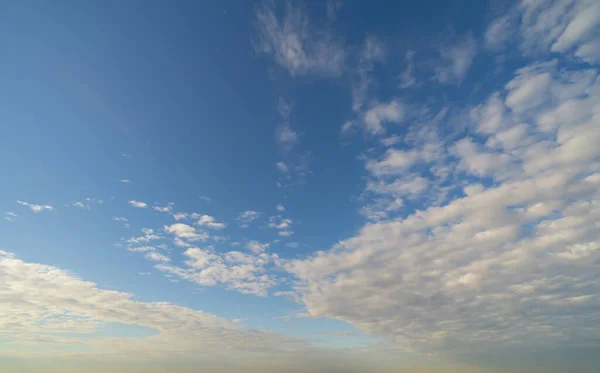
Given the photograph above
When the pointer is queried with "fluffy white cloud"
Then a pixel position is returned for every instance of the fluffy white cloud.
(257, 247)
(116, 218)
(295, 43)
(280, 208)
(168, 208)
(185, 232)
(149, 235)
(140, 205)
(282, 167)
(209, 222)
(392, 111)
(36, 208)
(46, 302)
(238, 271)
(497, 263)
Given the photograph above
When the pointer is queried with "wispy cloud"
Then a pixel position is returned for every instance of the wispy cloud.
(246, 217)
(297, 44)
(456, 60)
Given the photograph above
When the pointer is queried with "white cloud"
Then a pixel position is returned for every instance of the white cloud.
(157, 257)
(495, 264)
(12, 214)
(499, 32)
(372, 52)
(286, 233)
(568, 27)
(295, 43)
(180, 216)
(247, 216)
(141, 249)
(141, 205)
(36, 208)
(238, 271)
(116, 218)
(257, 247)
(168, 208)
(286, 137)
(280, 208)
(589, 52)
(528, 90)
(149, 235)
(47, 302)
(378, 114)
(185, 232)
(408, 78)
(125, 181)
(282, 167)
(279, 222)
(456, 61)
(581, 25)
(210, 222)
(80, 205)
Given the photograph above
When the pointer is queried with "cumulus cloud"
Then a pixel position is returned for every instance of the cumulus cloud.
(185, 232)
(296, 43)
(210, 222)
(509, 256)
(36, 208)
(280, 208)
(168, 208)
(140, 205)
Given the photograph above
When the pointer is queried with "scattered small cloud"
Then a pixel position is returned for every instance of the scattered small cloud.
(125, 181)
(36, 208)
(168, 208)
(209, 222)
(257, 247)
(280, 208)
(137, 204)
(246, 217)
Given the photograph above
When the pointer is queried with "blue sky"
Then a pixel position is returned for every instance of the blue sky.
(408, 185)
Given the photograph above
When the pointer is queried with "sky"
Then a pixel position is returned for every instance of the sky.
(319, 186)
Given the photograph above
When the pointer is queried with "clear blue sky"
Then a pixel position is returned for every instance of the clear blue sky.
(300, 184)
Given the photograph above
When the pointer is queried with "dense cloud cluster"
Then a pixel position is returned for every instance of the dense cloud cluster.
(503, 246)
